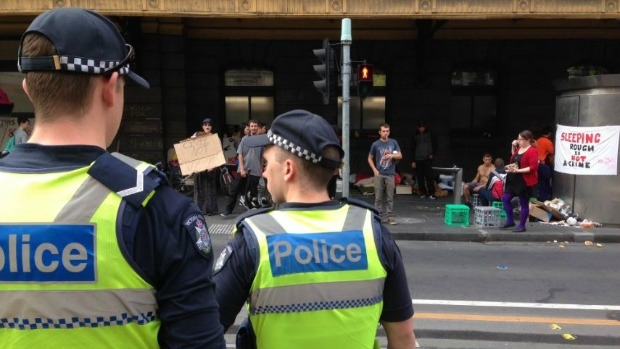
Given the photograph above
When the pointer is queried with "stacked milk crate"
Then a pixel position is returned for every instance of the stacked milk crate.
(487, 216)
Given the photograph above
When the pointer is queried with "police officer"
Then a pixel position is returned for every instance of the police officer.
(316, 273)
(96, 251)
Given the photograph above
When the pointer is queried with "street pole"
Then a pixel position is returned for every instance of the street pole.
(346, 39)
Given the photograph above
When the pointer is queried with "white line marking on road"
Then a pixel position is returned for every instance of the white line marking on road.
(516, 304)
(221, 229)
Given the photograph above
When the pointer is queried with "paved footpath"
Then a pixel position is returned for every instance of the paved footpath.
(423, 219)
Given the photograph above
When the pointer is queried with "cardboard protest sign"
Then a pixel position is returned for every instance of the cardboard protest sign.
(199, 154)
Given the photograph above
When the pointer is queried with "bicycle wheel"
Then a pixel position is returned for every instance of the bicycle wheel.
(179, 182)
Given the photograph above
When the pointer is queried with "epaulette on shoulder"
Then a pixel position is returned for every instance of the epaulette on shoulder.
(360, 203)
(251, 213)
(135, 181)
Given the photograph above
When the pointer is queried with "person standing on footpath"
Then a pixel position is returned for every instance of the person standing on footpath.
(126, 260)
(20, 134)
(521, 179)
(423, 161)
(304, 291)
(248, 173)
(384, 152)
(545, 148)
(205, 182)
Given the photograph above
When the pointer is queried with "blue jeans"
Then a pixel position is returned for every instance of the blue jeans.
(545, 173)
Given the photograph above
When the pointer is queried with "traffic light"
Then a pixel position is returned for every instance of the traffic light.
(364, 80)
(324, 70)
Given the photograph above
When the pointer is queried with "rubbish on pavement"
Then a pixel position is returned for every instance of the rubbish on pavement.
(569, 337)
(559, 213)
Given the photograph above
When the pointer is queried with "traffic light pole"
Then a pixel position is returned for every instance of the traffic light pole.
(346, 40)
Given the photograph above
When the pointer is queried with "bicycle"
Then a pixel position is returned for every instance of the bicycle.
(184, 184)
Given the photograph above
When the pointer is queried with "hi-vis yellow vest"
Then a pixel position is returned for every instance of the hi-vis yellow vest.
(319, 281)
(64, 282)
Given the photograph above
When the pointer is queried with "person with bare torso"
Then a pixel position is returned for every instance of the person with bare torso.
(481, 179)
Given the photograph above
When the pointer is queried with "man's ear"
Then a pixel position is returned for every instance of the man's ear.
(289, 168)
(25, 88)
(110, 89)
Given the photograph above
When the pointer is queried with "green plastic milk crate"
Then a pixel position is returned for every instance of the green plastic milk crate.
(500, 205)
(456, 214)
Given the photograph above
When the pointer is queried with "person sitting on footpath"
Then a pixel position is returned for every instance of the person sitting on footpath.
(384, 152)
(118, 259)
(317, 273)
(494, 189)
(480, 180)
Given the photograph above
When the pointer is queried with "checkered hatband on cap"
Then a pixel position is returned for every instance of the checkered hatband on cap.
(90, 66)
(293, 148)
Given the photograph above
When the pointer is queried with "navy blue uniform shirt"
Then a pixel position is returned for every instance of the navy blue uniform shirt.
(160, 245)
(235, 271)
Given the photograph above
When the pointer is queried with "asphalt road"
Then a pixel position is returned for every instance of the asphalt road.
(514, 295)
(509, 294)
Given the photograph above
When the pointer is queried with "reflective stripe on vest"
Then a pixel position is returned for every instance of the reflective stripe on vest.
(322, 272)
(63, 278)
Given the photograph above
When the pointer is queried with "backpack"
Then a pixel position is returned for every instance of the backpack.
(10, 144)
(497, 190)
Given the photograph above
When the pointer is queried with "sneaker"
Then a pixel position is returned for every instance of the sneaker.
(432, 197)
(392, 221)
(225, 214)
(422, 196)
(247, 204)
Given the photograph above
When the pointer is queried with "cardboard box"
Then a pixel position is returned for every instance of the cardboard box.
(441, 193)
(552, 211)
(403, 189)
(539, 213)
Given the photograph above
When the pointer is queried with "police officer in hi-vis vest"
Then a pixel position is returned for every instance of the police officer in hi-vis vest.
(96, 250)
(315, 273)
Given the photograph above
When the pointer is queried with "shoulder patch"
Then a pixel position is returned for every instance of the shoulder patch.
(222, 259)
(197, 228)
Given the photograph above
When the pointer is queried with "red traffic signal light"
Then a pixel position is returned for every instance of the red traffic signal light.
(364, 80)
(364, 73)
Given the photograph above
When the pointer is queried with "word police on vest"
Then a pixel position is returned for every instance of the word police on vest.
(40, 253)
(316, 252)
